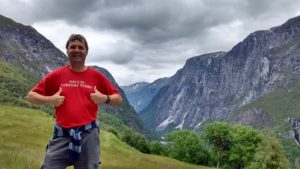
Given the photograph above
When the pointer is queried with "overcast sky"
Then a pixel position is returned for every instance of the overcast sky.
(143, 40)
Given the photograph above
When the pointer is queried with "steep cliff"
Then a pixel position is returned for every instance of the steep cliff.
(211, 86)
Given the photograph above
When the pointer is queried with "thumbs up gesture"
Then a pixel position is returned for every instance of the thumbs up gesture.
(97, 97)
(56, 99)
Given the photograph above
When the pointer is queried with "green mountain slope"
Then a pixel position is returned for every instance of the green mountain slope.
(25, 132)
(14, 83)
(280, 104)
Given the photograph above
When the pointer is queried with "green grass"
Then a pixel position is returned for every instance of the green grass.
(25, 132)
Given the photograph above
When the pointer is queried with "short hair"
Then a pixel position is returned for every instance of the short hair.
(79, 37)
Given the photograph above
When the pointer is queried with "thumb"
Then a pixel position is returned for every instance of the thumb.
(59, 91)
(95, 88)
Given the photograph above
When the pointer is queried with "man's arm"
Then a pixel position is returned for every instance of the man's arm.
(98, 98)
(55, 100)
(115, 100)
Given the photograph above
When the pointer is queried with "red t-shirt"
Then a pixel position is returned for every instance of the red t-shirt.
(78, 109)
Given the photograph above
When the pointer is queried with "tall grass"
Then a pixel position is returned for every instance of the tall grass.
(24, 134)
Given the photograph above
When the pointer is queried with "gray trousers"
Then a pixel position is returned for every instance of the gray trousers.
(57, 152)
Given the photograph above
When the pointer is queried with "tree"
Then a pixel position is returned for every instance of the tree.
(156, 147)
(269, 154)
(135, 140)
(218, 136)
(185, 145)
(128, 137)
(245, 140)
(141, 143)
(113, 131)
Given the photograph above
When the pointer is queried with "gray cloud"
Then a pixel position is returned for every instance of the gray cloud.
(158, 35)
(155, 21)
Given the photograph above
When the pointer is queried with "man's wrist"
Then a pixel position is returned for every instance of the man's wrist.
(107, 99)
(48, 100)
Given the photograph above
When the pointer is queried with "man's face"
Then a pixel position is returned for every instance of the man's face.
(77, 52)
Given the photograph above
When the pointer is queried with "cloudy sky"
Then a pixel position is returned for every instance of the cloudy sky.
(143, 40)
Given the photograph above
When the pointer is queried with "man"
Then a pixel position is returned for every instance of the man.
(76, 91)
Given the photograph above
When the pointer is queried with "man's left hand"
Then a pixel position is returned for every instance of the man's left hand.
(97, 97)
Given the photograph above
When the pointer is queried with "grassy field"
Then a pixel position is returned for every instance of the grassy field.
(24, 134)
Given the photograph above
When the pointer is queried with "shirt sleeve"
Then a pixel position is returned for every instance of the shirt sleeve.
(40, 87)
(106, 86)
(45, 86)
(111, 89)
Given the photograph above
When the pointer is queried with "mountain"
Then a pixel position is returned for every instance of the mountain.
(26, 56)
(212, 86)
(24, 46)
(140, 94)
(126, 112)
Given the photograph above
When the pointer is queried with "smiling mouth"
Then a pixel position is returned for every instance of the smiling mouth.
(76, 55)
(76, 58)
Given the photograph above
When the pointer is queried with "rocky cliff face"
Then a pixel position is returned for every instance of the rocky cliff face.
(140, 94)
(253, 117)
(212, 85)
(24, 46)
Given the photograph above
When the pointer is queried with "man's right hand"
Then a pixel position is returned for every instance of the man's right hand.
(56, 99)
